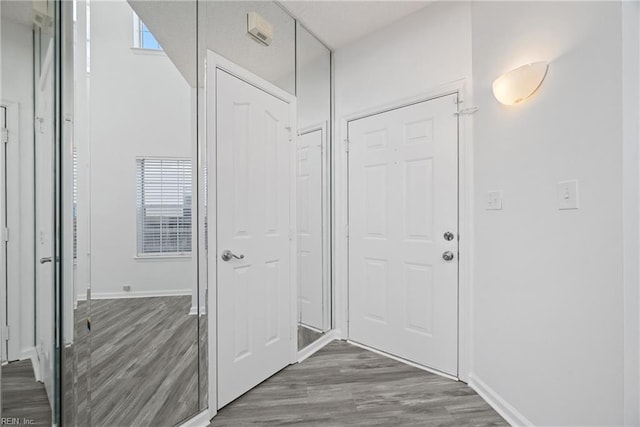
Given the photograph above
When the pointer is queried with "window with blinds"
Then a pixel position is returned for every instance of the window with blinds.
(164, 206)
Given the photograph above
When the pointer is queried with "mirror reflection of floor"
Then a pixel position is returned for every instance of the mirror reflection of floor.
(307, 336)
(144, 361)
(22, 396)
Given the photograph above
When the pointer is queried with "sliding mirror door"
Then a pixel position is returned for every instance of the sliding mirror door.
(29, 180)
(313, 189)
(135, 150)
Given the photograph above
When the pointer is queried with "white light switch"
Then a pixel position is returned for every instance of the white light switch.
(494, 200)
(568, 194)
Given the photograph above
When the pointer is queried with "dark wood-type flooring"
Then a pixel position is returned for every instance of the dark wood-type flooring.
(144, 361)
(344, 385)
(22, 396)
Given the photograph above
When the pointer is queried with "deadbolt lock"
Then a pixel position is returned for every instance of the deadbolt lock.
(447, 256)
(449, 236)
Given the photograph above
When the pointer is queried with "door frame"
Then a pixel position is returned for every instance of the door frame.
(213, 63)
(13, 219)
(465, 214)
(326, 220)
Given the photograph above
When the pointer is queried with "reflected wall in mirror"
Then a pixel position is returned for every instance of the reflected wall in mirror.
(105, 254)
(135, 146)
(28, 255)
(312, 183)
(226, 35)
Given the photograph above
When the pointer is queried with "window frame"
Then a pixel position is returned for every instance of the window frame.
(145, 256)
(137, 43)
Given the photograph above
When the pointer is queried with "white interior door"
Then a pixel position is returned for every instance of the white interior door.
(403, 195)
(254, 177)
(4, 292)
(44, 146)
(310, 224)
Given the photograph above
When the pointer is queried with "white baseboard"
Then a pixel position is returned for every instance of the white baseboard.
(136, 294)
(502, 407)
(312, 348)
(313, 328)
(200, 420)
(30, 353)
(194, 311)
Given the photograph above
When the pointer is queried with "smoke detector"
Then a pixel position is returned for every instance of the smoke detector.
(259, 28)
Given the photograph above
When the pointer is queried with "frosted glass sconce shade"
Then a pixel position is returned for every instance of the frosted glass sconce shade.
(518, 84)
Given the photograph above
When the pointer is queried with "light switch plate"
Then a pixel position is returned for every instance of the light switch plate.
(494, 200)
(568, 194)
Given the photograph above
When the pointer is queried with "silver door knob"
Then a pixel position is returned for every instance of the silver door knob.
(44, 260)
(447, 256)
(227, 255)
(449, 236)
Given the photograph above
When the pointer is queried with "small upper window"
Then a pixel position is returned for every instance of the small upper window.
(142, 37)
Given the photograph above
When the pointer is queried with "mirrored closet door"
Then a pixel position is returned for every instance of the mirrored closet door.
(313, 187)
(134, 155)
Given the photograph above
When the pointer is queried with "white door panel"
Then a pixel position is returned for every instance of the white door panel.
(402, 199)
(253, 190)
(309, 224)
(4, 292)
(44, 145)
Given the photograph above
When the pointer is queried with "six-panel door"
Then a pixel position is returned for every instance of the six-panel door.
(403, 195)
(254, 172)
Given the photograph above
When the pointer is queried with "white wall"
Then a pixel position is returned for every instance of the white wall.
(550, 292)
(409, 57)
(140, 105)
(17, 86)
(631, 206)
(548, 288)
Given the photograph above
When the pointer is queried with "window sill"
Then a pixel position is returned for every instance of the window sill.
(172, 258)
(143, 51)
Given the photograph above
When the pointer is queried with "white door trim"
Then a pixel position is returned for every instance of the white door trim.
(13, 223)
(465, 215)
(326, 221)
(213, 63)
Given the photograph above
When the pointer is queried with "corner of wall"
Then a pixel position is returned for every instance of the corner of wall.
(497, 402)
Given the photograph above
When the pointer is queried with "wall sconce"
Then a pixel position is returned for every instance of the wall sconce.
(518, 84)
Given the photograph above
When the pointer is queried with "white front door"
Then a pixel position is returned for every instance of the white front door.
(44, 146)
(403, 198)
(309, 207)
(254, 177)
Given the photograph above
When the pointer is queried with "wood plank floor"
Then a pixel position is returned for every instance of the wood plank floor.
(144, 361)
(344, 385)
(22, 396)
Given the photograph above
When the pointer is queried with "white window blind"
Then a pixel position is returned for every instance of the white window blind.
(164, 206)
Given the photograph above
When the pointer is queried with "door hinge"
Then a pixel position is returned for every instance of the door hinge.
(346, 231)
(5, 234)
(5, 135)
(346, 145)
(6, 332)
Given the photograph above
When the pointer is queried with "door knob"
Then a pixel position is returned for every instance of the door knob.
(44, 260)
(227, 255)
(448, 236)
(447, 256)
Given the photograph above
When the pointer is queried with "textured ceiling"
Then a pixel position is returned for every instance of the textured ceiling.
(338, 23)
